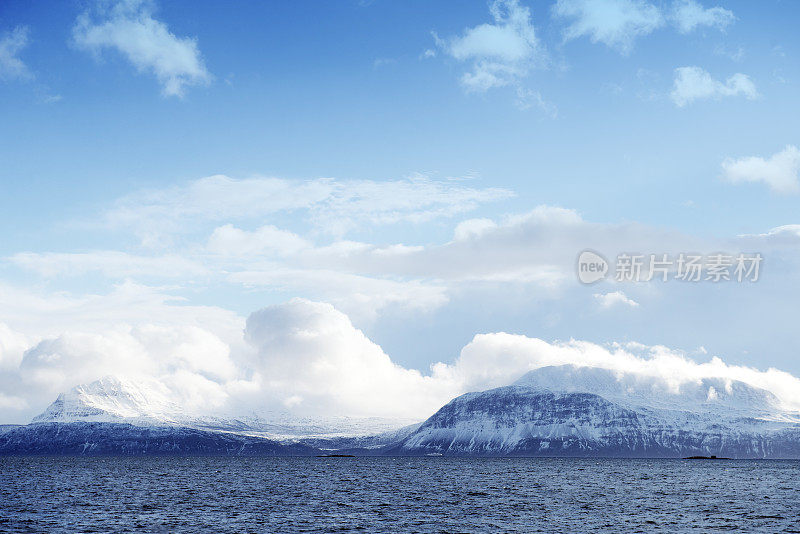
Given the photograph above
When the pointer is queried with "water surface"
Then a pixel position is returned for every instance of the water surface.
(222, 494)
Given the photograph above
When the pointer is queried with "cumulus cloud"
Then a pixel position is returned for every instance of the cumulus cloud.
(694, 83)
(779, 172)
(500, 53)
(301, 356)
(689, 15)
(192, 363)
(308, 359)
(615, 23)
(50, 342)
(614, 298)
(311, 355)
(11, 44)
(128, 27)
(315, 348)
(491, 360)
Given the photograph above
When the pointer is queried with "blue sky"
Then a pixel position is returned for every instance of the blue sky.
(345, 133)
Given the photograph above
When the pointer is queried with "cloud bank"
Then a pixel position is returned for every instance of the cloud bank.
(332, 206)
(307, 358)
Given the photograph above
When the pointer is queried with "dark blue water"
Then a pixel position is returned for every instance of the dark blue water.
(396, 495)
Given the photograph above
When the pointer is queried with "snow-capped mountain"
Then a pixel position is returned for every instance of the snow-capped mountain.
(113, 400)
(551, 411)
(145, 403)
(568, 410)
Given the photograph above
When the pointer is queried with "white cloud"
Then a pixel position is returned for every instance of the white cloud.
(614, 298)
(472, 228)
(694, 83)
(38, 314)
(780, 172)
(11, 43)
(192, 362)
(308, 358)
(363, 297)
(110, 263)
(492, 360)
(789, 232)
(501, 53)
(265, 241)
(538, 247)
(689, 14)
(526, 99)
(52, 99)
(301, 355)
(532, 252)
(310, 353)
(616, 23)
(11, 403)
(51, 342)
(734, 53)
(129, 27)
(333, 206)
(12, 346)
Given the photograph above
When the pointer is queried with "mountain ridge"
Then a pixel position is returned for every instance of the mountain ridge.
(551, 411)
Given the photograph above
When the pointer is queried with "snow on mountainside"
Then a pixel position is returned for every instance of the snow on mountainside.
(551, 411)
(568, 410)
(111, 400)
(142, 403)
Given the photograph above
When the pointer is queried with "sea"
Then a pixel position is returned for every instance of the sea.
(396, 495)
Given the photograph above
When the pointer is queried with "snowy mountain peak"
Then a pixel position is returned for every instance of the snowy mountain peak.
(145, 402)
(112, 399)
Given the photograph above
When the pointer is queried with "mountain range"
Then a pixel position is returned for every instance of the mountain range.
(551, 411)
